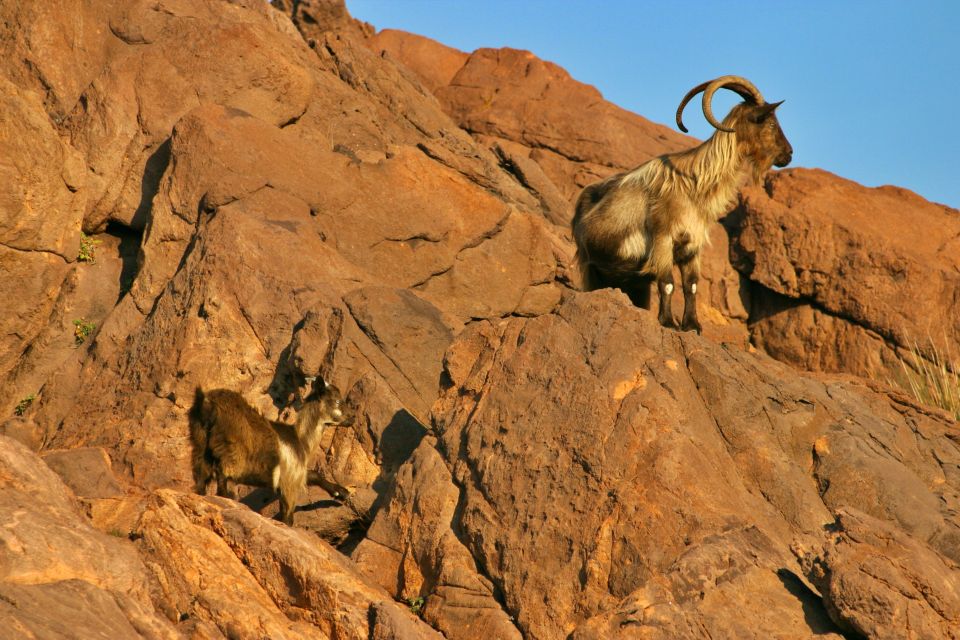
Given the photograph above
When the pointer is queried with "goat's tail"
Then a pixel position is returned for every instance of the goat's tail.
(199, 418)
(590, 277)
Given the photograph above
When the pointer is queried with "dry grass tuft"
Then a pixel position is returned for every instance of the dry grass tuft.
(934, 379)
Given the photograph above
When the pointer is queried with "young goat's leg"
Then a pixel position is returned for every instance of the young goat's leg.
(690, 275)
(226, 488)
(288, 504)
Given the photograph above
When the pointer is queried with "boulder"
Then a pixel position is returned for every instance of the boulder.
(58, 575)
(86, 470)
(845, 277)
(217, 565)
(879, 583)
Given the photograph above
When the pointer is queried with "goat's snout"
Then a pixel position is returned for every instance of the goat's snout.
(345, 416)
(786, 155)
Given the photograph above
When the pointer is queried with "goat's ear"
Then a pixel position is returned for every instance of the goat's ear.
(764, 111)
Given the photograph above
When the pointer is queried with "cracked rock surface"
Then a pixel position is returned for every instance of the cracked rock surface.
(603, 477)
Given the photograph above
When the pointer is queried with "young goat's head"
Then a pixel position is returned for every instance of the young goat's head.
(754, 121)
(332, 409)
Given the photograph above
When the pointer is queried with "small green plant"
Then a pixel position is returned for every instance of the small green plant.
(87, 249)
(934, 379)
(24, 404)
(82, 329)
(416, 605)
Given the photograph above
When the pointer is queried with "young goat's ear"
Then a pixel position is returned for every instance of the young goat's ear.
(319, 384)
(764, 111)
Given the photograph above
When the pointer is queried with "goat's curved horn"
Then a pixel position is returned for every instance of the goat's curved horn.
(738, 84)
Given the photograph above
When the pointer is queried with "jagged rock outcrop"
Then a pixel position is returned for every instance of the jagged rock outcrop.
(172, 565)
(59, 576)
(379, 215)
(846, 278)
(612, 479)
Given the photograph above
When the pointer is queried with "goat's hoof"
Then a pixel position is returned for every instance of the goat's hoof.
(692, 325)
(669, 323)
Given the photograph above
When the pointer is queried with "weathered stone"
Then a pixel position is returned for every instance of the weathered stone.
(23, 430)
(879, 583)
(58, 575)
(857, 274)
(215, 561)
(275, 198)
(86, 470)
(601, 465)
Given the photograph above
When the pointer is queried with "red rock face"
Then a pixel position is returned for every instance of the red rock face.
(534, 112)
(268, 198)
(613, 479)
(847, 276)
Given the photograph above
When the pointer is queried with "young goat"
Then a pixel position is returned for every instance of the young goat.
(631, 228)
(233, 443)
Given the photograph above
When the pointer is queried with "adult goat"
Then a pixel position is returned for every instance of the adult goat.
(631, 228)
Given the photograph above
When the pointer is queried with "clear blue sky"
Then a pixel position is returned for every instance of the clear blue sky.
(872, 89)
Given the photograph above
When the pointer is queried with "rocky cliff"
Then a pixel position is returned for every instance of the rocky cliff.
(233, 194)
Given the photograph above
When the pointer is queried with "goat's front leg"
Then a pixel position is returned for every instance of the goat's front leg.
(322, 479)
(660, 265)
(690, 275)
(226, 487)
(665, 289)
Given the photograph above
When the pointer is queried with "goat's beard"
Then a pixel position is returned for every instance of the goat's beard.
(758, 171)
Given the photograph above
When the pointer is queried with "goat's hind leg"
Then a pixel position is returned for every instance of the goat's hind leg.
(285, 515)
(203, 472)
(288, 504)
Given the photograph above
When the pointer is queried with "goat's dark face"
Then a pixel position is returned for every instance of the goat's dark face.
(763, 138)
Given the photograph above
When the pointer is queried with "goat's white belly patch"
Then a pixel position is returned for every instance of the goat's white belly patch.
(633, 247)
(288, 461)
(276, 477)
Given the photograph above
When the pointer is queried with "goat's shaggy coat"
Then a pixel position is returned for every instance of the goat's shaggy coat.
(631, 228)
